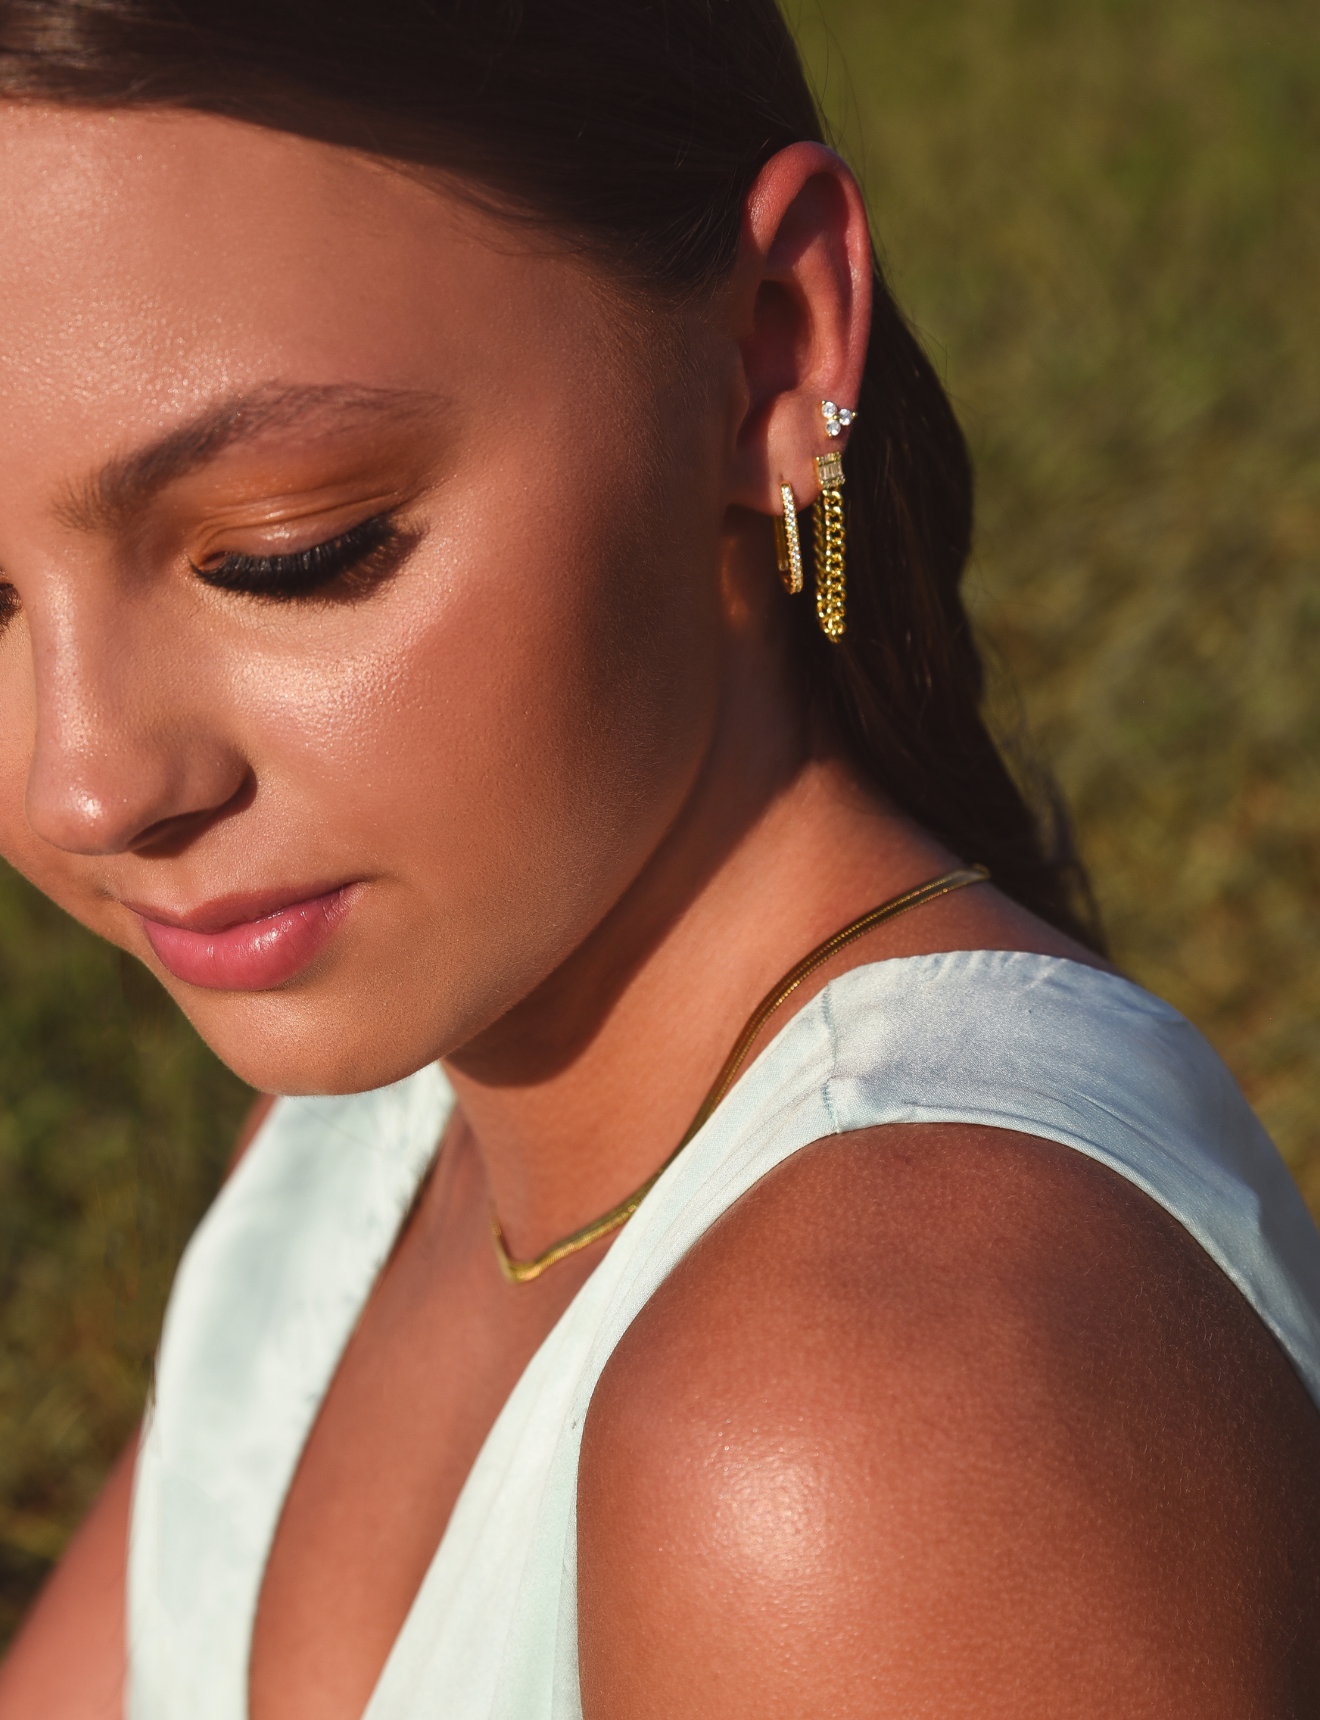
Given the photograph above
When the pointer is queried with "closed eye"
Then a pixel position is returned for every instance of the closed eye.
(357, 560)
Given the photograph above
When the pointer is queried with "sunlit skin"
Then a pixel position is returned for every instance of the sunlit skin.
(531, 793)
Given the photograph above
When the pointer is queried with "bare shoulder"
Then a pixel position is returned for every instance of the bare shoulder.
(951, 1421)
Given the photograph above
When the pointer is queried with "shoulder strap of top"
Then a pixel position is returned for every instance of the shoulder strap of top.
(264, 1301)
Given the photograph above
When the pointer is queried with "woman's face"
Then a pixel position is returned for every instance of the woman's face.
(349, 803)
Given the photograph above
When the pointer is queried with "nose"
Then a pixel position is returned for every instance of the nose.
(127, 750)
(105, 801)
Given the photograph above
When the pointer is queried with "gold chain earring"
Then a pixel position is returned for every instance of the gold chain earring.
(831, 538)
(788, 543)
(831, 587)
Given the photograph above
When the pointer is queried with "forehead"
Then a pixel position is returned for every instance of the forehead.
(152, 262)
(134, 234)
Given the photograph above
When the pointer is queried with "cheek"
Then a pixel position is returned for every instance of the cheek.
(551, 717)
(502, 741)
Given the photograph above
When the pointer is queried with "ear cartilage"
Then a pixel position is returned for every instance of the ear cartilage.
(836, 417)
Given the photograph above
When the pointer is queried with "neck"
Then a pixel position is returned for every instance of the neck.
(580, 1092)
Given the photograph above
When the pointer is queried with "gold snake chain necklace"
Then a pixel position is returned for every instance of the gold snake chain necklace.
(523, 1271)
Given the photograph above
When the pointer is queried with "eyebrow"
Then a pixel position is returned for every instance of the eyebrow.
(109, 498)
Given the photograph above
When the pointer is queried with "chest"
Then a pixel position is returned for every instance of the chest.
(438, 1348)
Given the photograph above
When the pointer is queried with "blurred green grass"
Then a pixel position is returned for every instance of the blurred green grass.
(115, 1125)
(1105, 219)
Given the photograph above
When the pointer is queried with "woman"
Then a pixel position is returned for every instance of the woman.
(398, 660)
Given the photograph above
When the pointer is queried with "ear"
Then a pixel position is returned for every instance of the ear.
(802, 302)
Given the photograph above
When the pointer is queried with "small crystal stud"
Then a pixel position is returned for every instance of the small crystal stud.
(836, 417)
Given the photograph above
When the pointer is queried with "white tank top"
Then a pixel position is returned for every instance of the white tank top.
(278, 1272)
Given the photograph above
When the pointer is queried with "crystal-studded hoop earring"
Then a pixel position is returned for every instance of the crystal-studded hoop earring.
(788, 543)
(830, 546)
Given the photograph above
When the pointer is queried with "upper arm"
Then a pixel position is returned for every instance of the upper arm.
(69, 1661)
(948, 1421)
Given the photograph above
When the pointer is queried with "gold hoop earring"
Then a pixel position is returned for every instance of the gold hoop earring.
(787, 542)
(831, 543)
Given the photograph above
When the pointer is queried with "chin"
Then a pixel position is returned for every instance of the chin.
(294, 1046)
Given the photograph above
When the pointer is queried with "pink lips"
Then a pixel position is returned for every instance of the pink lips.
(249, 955)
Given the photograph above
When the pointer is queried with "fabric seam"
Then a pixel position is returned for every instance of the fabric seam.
(826, 1097)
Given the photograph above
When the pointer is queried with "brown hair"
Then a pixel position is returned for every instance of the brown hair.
(636, 127)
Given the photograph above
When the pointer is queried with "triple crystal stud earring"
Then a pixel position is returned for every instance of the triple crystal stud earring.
(836, 417)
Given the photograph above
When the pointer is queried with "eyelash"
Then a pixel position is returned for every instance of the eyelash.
(359, 559)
